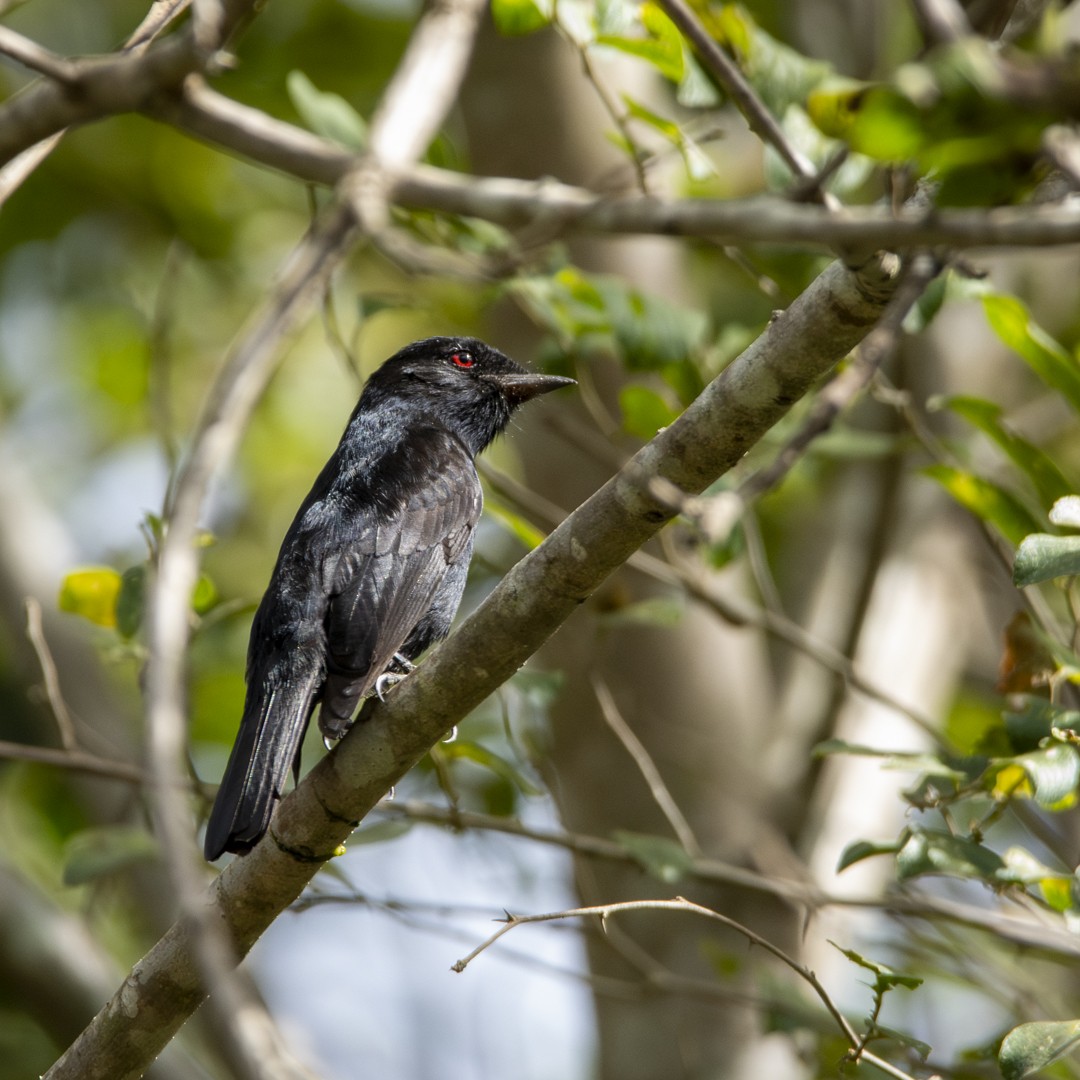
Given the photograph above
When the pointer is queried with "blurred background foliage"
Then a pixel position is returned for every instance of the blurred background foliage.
(132, 258)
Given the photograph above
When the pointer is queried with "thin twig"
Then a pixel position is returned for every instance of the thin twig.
(679, 903)
(75, 760)
(36, 57)
(646, 766)
(727, 73)
(35, 631)
(1026, 933)
(161, 13)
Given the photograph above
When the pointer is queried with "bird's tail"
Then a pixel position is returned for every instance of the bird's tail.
(266, 747)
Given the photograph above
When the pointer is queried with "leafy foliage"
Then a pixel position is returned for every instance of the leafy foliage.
(133, 256)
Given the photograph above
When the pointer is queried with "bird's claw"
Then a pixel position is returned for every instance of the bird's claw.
(386, 681)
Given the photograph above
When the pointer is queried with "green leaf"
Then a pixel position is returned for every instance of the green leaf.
(131, 602)
(1040, 469)
(658, 43)
(1050, 361)
(1057, 892)
(204, 596)
(1066, 512)
(912, 761)
(587, 311)
(91, 592)
(782, 76)
(328, 115)
(987, 501)
(644, 411)
(1035, 719)
(885, 978)
(1054, 772)
(487, 759)
(904, 1039)
(96, 853)
(668, 128)
(1041, 557)
(865, 849)
(660, 857)
(929, 851)
(885, 126)
(927, 306)
(668, 61)
(1031, 1047)
(1022, 868)
(516, 17)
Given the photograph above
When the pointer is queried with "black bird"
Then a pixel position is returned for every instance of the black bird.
(372, 568)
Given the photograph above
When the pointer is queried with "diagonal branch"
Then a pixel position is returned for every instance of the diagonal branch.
(535, 597)
(726, 72)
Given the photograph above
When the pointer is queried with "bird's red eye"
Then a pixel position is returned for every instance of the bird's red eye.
(462, 359)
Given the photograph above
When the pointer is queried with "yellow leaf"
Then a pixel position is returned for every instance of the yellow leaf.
(91, 593)
(1012, 781)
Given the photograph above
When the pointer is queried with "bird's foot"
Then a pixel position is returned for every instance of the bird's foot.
(387, 681)
(333, 729)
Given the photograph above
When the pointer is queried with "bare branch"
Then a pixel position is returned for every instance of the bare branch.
(36, 633)
(15, 171)
(646, 766)
(735, 611)
(532, 600)
(74, 759)
(726, 72)
(161, 13)
(36, 57)
(97, 86)
(564, 209)
(425, 85)
(1045, 935)
(857, 1049)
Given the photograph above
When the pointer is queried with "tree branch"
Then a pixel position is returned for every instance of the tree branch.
(1047, 937)
(726, 72)
(92, 87)
(311, 824)
(564, 208)
(856, 1046)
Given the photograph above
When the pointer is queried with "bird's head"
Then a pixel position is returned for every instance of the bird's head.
(464, 383)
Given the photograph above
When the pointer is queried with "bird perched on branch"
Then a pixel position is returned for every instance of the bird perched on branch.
(373, 567)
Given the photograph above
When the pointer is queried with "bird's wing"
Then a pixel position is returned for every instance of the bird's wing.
(386, 576)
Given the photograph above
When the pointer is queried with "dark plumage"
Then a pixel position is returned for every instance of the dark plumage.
(372, 569)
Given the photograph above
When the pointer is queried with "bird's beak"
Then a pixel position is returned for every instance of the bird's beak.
(518, 389)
